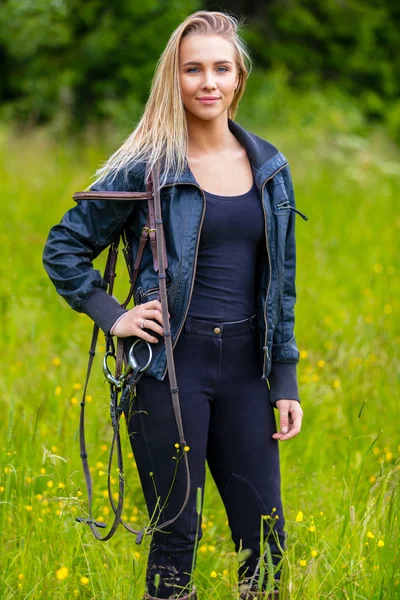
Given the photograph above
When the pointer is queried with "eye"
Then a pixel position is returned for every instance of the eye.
(191, 69)
(224, 69)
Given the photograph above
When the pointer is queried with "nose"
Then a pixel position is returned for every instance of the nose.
(209, 80)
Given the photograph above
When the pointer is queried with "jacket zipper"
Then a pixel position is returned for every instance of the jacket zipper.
(195, 265)
(265, 347)
(286, 204)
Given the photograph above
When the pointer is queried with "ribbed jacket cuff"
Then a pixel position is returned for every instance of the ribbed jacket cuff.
(102, 308)
(283, 382)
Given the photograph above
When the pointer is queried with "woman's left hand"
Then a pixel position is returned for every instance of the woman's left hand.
(290, 417)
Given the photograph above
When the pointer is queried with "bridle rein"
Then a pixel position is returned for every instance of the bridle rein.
(124, 382)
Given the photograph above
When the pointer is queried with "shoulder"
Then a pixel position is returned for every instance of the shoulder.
(264, 145)
(129, 178)
(260, 150)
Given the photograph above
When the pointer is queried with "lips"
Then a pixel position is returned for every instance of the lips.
(208, 99)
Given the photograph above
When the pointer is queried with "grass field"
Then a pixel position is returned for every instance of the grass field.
(340, 475)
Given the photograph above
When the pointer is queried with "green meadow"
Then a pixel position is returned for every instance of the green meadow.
(340, 475)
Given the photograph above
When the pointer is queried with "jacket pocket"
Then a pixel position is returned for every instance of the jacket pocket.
(284, 207)
(153, 293)
(281, 208)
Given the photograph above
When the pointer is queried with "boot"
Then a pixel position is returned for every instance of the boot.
(191, 596)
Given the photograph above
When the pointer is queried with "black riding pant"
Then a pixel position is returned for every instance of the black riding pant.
(228, 421)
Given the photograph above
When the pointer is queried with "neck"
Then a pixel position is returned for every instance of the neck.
(208, 136)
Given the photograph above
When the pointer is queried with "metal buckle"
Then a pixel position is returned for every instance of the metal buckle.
(132, 365)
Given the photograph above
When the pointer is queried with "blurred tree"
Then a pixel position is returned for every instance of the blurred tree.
(96, 59)
(352, 43)
(92, 60)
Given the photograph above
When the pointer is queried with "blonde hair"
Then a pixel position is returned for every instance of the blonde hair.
(161, 133)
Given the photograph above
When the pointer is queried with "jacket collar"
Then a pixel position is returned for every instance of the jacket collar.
(264, 157)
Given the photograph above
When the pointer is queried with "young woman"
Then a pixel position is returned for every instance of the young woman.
(229, 220)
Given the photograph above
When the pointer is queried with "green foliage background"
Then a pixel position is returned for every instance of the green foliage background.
(325, 92)
(340, 475)
(86, 61)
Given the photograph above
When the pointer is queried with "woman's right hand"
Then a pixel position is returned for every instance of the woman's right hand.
(129, 324)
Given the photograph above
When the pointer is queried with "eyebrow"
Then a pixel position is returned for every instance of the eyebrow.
(217, 62)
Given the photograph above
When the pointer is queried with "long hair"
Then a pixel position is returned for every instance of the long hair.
(161, 134)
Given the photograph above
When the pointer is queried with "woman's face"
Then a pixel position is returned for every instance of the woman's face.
(208, 75)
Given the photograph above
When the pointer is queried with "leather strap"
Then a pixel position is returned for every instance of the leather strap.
(154, 231)
(105, 195)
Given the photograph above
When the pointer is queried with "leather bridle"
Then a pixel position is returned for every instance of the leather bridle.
(124, 383)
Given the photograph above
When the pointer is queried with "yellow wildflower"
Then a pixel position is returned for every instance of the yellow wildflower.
(370, 534)
(28, 508)
(381, 543)
(84, 580)
(299, 517)
(62, 573)
(303, 562)
(314, 553)
(213, 573)
(56, 361)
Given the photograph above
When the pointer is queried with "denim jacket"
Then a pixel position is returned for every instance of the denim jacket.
(89, 227)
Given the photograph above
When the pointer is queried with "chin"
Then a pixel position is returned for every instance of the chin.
(206, 115)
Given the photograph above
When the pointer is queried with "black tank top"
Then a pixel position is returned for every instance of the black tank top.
(230, 257)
